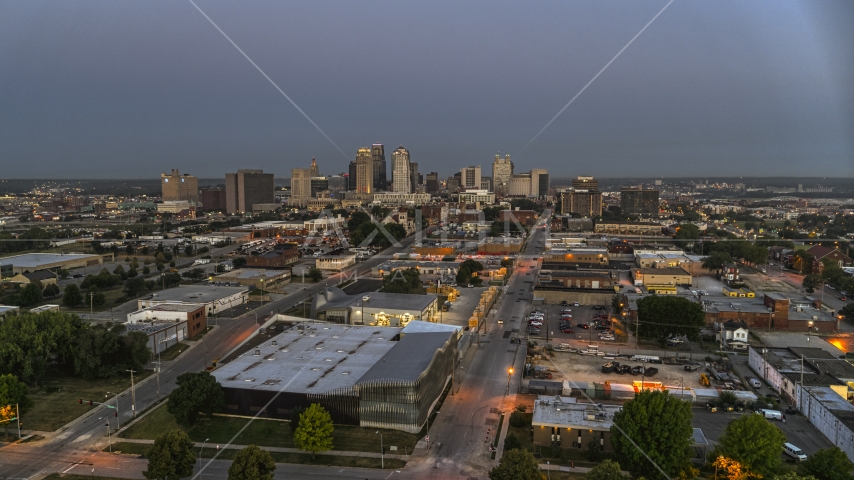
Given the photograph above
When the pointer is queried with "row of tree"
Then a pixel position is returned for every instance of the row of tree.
(35, 345)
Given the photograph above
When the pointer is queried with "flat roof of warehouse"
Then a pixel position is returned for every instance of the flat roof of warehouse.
(310, 358)
(36, 259)
(195, 293)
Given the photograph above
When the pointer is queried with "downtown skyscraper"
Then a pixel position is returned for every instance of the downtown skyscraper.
(401, 173)
(380, 179)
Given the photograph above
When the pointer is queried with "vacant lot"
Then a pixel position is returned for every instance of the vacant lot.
(264, 432)
(56, 399)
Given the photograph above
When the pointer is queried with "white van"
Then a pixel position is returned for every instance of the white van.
(754, 382)
(771, 414)
(796, 453)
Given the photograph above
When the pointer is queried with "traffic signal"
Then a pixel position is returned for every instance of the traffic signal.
(90, 402)
(80, 401)
(116, 414)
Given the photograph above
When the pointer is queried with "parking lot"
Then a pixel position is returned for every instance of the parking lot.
(797, 429)
(583, 314)
(585, 368)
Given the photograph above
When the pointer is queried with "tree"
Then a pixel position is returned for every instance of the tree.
(716, 261)
(132, 273)
(638, 429)
(14, 392)
(104, 351)
(826, 464)
(661, 316)
(403, 281)
(511, 442)
(357, 219)
(848, 310)
(314, 274)
(196, 392)
(607, 470)
(238, 262)
(516, 464)
(252, 463)
(120, 271)
(685, 233)
(172, 457)
(34, 343)
(146, 270)
(31, 294)
(188, 250)
(732, 469)
(72, 296)
(754, 442)
(811, 282)
(160, 258)
(314, 433)
(134, 286)
(51, 290)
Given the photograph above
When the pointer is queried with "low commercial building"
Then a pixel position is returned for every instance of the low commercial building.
(30, 262)
(45, 277)
(784, 369)
(499, 246)
(661, 260)
(255, 277)
(577, 256)
(376, 308)
(661, 276)
(830, 411)
(45, 308)
(424, 268)
(214, 298)
(325, 224)
(582, 280)
(336, 263)
(161, 334)
(368, 376)
(190, 318)
(524, 217)
(278, 258)
(8, 309)
(563, 423)
(392, 198)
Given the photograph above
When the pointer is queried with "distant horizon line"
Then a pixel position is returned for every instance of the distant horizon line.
(550, 175)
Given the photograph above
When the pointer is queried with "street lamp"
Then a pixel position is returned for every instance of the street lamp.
(382, 450)
(509, 374)
(200, 455)
(809, 330)
(118, 422)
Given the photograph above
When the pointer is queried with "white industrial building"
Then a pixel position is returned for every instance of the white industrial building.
(214, 298)
(831, 414)
(336, 262)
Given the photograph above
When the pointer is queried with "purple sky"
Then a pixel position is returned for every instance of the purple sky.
(126, 89)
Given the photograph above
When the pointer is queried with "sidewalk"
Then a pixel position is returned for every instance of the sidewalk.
(340, 453)
(560, 468)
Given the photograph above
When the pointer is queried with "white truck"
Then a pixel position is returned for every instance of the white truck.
(202, 261)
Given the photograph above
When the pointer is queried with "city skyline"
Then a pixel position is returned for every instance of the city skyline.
(707, 90)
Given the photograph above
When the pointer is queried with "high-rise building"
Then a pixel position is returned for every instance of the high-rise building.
(364, 171)
(639, 201)
(314, 170)
(175, 186)
(585, 183)
(337, 183)
(470, 177)
(539, 182)
(213, 199)
(502, 170)
(413, 176)
(351, 177)
(587, 203)
(301, 183)
(433, 182)
(401, 178)
(380, 180)
(318, 184)
(247, 188)
(486, 183)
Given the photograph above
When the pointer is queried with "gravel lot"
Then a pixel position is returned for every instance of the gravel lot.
(584, 368)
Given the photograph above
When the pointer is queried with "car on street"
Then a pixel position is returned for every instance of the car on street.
(567, 330)
(583, 325)
(575, 304)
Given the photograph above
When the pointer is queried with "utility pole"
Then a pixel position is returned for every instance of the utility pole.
(157, 370)
(133, 391)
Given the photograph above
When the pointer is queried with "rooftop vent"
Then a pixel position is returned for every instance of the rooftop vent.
(257, 352)
(249, 380)
(274, 343)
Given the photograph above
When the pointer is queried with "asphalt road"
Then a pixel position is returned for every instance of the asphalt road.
(458, 438)
(77, 441)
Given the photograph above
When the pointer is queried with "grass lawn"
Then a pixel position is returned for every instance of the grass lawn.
(264, 432)
(280, 457)
(56, 399)
(172, 352)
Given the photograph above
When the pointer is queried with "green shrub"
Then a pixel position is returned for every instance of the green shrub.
(518, 420)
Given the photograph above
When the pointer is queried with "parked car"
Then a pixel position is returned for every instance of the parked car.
(637, 370)
(623, 369)
(583, 325)
(691, 367)
(566, 330)
(575, 304)
(650, 371)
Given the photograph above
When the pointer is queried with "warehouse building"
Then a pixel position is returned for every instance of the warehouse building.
(377, 308)
(30, 262)
(362, 375)
(214, 298)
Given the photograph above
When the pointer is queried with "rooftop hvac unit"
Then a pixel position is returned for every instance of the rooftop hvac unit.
(257, 352)
(274, 343)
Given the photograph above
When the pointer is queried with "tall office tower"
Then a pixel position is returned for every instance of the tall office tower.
(639, 201)
(317, 185)
(585, 183)
(413, 176)
(502, 170)
(539, 182)
(486, 184)
(247, 188)
(401, 179)
(433, 182)
(470, 177)
(314, 170)
(175, 186)
(351, 177)
(380, 180)
(301, 183)
(587, 203)
(337, 183)
(213, 199)
(364, 171)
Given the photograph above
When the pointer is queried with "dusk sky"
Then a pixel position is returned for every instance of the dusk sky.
(127, 89)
